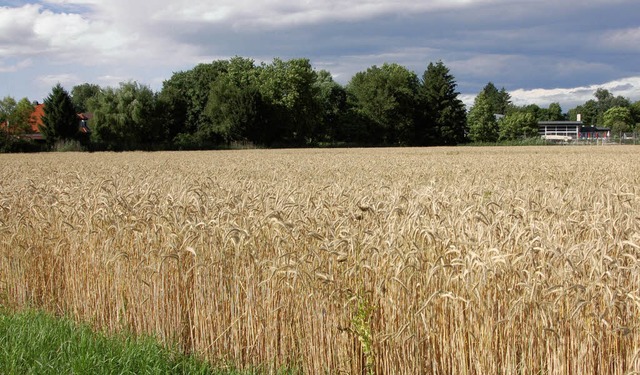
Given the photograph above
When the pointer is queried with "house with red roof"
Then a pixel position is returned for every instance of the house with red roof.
(36, 122)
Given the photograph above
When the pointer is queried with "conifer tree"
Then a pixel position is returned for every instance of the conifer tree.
(60, 121)
(444, 121)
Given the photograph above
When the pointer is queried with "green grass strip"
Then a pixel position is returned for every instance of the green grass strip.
(37, 343)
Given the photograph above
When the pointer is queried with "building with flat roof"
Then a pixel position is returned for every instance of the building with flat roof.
(566, 131)
(559, 130)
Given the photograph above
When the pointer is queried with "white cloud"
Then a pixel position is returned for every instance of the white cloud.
(282, 13)
(15, 67)
(32, 30)
(112, 80)
(73, 2)
(86, 39)
(571, 97)
(65, 79)
(16, 25)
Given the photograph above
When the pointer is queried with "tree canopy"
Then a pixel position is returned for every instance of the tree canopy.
(618, 119)
(15, 115)
(386, 98)
(483, 125)
(81, 96)
(126, 117)
(518, 125)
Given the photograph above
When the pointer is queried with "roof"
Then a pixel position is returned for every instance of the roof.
(574, 123)
(36, 118)
(38, 114)
(593, 129)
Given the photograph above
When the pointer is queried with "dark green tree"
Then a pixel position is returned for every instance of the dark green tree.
(499, 101)
(82, 94)
(635, 114)
(386, 99)
(592, 111)
(175, 98)
(605, 101)
(235, 105)
(334, 125)
(172, 107)
(183, 101)
(60, 121)
(290, 91)
(554, 112)
(540, 114)
(197, 90)
(588, 112)
(444, 119)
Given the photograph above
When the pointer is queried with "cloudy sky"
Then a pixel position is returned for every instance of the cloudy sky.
(541, 51)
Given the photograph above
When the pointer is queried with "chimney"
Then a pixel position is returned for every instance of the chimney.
(579, 117)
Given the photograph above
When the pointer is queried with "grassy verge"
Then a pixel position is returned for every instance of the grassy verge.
(535, 141)
(37, 343)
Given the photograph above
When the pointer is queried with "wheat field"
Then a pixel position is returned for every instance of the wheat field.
(349, 261)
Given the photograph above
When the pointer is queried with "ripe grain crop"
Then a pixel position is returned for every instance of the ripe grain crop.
(387, 261)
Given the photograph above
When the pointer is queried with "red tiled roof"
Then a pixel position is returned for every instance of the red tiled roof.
(36, 118)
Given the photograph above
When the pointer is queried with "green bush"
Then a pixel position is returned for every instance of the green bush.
(68, 145)
(15, 144)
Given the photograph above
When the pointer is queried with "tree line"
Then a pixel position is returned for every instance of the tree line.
(280, 104)
(290, 104)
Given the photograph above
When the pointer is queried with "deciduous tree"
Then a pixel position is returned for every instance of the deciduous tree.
(554, 113)
(635, 114)
(126, 118)
(235, 104)
(289, 89)
(387, 99)
(81, 95)
(184, 99)
(618, 119)
(483, 126)
(517, 125)
(334, 125)
(15, 116)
